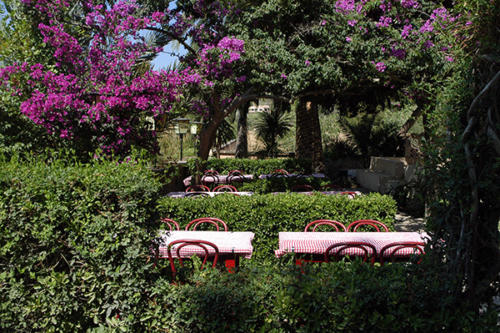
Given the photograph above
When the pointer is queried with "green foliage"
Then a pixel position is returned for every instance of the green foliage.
(74, 243)
(267, 215)
(271, 126)
(334, 297)
(249, 166)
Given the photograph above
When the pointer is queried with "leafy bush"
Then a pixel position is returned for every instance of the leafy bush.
(249, 166)
(333, 297)
(267, 215)
(74, 243)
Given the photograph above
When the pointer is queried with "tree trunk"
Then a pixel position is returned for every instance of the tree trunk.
(208, 135)
(242, 136)
(308, 134)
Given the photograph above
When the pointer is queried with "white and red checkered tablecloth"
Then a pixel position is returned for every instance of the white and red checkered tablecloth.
(293, 175)
(219, 179)
(238, 242)
(210, 194)
(318, 242)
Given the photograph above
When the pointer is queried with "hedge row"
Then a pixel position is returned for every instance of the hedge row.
(249, 166)
(74, 242)
(334, 297)
(266, 215)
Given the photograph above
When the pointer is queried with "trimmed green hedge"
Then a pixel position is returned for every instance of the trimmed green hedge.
(249, 166)
(74, 243)
(267, 215)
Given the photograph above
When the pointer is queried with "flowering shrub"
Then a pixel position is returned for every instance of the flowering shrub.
(95, 93)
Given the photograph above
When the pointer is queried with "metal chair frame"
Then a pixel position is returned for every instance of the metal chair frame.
(347, 245)
(222, 188)
(349, 193)
(191, 242)
(171, 223)
(211, 220)
(333, 223)
(374, 223)
(396, 246)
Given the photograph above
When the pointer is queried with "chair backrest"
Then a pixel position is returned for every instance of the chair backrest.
(225, 188)
(210, 172)
(198, 188)
(210, 180)
(198, 244)
(332, 223)
(235, 173)
(172, 224)
(302, 188)
(350, 194)
(210, 220)
(355, 248)
(235, 177)
(279, 172)
(391, 250)
(379, 226)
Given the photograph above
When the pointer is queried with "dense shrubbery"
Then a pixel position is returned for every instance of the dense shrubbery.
(249, 166)
(267, 215)
(334, 297)
(74, 243)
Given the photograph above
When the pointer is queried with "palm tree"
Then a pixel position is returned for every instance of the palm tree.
(270, 126)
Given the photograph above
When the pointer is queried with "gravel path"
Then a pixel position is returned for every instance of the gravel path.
(406, 222)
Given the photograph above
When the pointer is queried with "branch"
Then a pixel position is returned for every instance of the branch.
(171, 35)
(411, 121)
(485, 89)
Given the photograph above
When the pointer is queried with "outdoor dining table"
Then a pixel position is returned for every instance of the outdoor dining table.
(292, 175)
(322, 192)
(231, 245)
(316, 243)
(219, 179)
(202, 193)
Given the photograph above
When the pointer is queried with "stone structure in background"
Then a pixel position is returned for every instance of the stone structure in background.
(386, 173)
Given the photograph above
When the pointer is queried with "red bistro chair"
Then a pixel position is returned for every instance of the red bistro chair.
(173, 225)
(210, 172)
(361, 246)
(393, 248)
(235, 173)
(302, 188)
(210, 220)
(332, 223)
(225, 188)
(350, 194)
(235, 176)
(372, 223)
(280, 172)
(203, 245)
(198, 188)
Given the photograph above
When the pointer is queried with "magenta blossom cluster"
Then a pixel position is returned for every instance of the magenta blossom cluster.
(95, 90)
